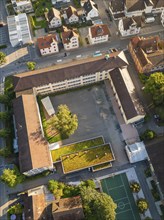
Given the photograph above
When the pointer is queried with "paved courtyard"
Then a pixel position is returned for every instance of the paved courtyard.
(96, 117)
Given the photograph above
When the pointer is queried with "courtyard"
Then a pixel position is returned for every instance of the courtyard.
(95, 117)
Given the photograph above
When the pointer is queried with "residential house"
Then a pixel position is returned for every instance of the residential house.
(130, 8)
(70, 39)
(48, 44)
(22, 6)
(146, 53)
(68, 208)
(70, 15)
(34, 155)
(53, 17)
(162, 18)
(98, 34)
(19, 31)
(91, 10)
(129, 26)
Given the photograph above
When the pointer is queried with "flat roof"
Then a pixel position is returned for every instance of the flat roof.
(33, 148)
(87, 158)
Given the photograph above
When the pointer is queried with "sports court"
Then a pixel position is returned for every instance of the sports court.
(118, 188)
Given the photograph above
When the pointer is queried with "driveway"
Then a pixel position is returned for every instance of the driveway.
(96, 117)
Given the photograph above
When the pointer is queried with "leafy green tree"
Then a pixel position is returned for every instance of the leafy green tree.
(56, 188)
(15, 209)
(148, 135)
(4, 133)
(64, 121)
(88, 183)
(97, 206)
(31, 65)
(5, 152)
(135, 187)
(155, 86)
(2, 58)
(4, 115)
(4, 99)
(142, 205)
(70, 191)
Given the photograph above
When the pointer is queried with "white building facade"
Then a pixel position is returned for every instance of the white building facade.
(22, 6)
(54, 19)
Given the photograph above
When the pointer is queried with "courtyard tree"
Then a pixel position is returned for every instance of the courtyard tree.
(4, 99)
(142, 205)
(2, 58)
(64, 121)
(31, 65)
(4, 115)
(15, 209)
(135, 187)
(5, 152)
(97, 206)
(56, 188)
(148, 135)
(4, 133)
(88, 183)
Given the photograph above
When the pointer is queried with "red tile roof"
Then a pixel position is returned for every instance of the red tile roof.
(46, 41)
(99, 30)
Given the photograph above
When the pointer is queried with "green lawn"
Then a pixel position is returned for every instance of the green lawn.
(87, 158)
(41, 6)
(56, 154)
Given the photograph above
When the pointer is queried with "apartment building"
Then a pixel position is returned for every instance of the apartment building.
(19, 31)
(146, 53)
(98, 34)
(22, 6)
(48, 44)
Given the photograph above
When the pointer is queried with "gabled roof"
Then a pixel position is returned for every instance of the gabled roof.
(70, 11)
(40, 77)
(134, 5)
(99, 30)
(117, 5)
(158, 3)
(127, 22)
(33, 149)
(68, 209)
(46, 41)
(67, 35)
(53, 12)
(89, 5)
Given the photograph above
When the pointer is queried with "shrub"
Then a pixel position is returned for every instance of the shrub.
(142, 205)
(15, 209)
(148, 135)
(135, 187)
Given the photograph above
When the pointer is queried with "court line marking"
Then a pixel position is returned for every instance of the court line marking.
(121, 198)
(128, 198)
(124, 211)
(116, 187)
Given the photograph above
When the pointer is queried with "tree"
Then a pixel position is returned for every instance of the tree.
(4, 99)
(88, 183)
(56, 188)
(64, 121)
(155, 86)
(148, 135)
(135, 187)
(9, 177)
(15, 209)
(31, 65)
(4, 133)
(97, 206)
(5, 152)
(4, 115)
(2, 58)
(142, 205)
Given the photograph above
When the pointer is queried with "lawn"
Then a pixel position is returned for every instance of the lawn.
(71, 148)
(38, 24)
(87, 158)
(41, 6)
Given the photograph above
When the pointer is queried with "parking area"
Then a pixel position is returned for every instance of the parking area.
(4, 37)
(96, 117)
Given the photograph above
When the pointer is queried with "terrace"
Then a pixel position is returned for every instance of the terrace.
(74, 147)
(87, 158)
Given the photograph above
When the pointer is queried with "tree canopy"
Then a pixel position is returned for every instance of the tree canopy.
(64, 121)
(15, 209)
(155, 86)
(142, 205)
(31, 65)
(2, 58)
(97, 206)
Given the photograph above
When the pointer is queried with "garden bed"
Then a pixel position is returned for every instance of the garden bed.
(101, 166)
(87, 158)
(72, 148)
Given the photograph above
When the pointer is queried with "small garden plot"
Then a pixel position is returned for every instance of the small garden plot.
(71, 148)
(87, 158)
(101, 166)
